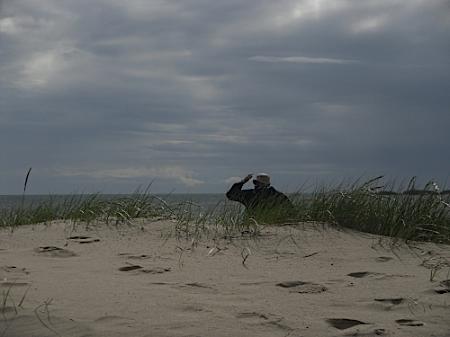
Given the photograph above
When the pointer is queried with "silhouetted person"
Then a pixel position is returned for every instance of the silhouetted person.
(263, 202)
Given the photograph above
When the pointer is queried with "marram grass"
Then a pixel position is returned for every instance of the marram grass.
(423, 215)
(413, 214)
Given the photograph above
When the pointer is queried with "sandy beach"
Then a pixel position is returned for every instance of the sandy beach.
(300, 280)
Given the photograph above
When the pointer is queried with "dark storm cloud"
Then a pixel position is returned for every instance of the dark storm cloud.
(110, 94)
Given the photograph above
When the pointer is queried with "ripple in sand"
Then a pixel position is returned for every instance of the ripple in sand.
(258, 318)
(10, 284)
(197, 288)
(255, 317)
(198, 285)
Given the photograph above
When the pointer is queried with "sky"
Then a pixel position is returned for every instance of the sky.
(109, 95)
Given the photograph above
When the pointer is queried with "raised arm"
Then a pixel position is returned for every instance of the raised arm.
(236, 193)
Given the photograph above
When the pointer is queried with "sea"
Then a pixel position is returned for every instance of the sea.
(205, 201)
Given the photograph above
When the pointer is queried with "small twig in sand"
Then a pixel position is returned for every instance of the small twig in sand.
(47, 312)
(216, 249)
(291, 237)
(3, 309)
(180, 261)
(23, 297)
(309, 255)
(245, 254)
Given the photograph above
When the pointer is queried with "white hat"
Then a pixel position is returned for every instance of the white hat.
(263, 178)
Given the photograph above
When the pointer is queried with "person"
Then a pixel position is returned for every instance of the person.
(263, 202)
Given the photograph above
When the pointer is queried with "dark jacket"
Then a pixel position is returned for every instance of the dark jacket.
(262, 200)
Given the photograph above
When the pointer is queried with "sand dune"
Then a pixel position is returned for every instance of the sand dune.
(296, 281)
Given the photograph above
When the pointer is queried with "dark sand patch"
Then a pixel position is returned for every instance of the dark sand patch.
(129, 268)
(394, 301)
(444, 287)
(82, 239)
(409, 322)
(156, 270)
(360, 274)
(139, 257)
(343, 323)
(140, 269)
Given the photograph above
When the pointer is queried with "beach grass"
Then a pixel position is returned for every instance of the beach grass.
(401, 212)
(420, 215)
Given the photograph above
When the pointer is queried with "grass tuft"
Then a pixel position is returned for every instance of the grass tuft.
(369, 206)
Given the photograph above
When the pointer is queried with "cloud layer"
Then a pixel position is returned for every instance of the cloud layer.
(107, 95)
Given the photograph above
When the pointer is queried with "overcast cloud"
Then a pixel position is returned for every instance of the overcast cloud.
(106, 95)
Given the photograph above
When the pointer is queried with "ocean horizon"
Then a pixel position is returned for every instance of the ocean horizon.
(203, 200)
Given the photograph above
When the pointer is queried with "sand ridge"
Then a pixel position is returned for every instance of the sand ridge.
(291, 281)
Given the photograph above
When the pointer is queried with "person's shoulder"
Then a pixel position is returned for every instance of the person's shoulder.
(273, 189)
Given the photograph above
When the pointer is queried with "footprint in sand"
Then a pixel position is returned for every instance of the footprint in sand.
(258, 318)
(361, 274)
(445, 283)
(378, 276)
(82, 239)
(303, 287)
(444, 287)
(393, 301)
(15, 270)
(53, 251)
(154, 270)
(343, 323)
(129, 268)
(409, 322)
(15, 277)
